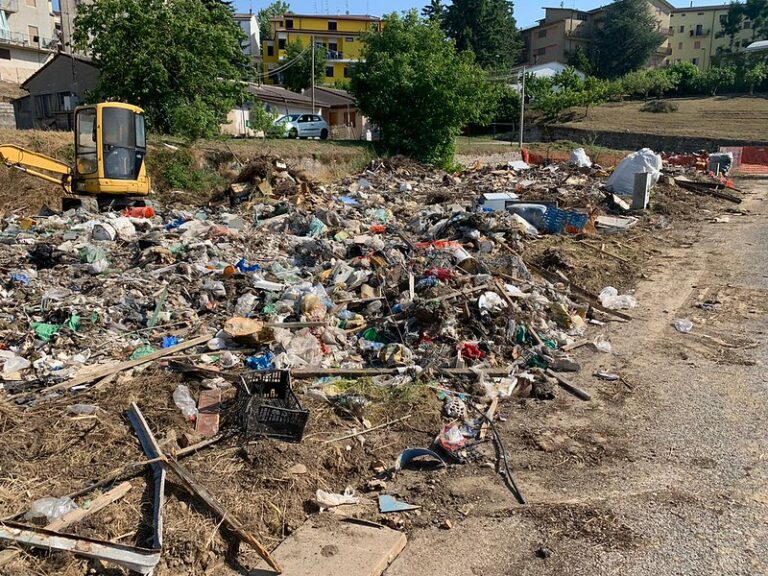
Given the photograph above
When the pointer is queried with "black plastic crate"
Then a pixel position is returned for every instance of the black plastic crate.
(267, 406)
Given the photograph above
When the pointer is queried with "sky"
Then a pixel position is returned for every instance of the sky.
(526, 12)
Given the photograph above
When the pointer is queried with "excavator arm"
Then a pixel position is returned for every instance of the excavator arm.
(37, 165)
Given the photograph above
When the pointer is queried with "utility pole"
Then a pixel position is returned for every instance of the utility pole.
(312, 74)
(522, 108)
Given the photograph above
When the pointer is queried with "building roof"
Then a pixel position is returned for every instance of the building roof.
(244, 15)
(80, 60)
(702, 8)
(279, 94)
(332, 96)
(328, 17)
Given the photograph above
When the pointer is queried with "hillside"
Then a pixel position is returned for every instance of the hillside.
(723, 117)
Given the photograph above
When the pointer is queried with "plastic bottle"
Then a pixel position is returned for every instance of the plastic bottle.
(183, 399)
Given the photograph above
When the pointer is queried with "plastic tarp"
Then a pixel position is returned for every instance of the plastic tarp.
(622, 181)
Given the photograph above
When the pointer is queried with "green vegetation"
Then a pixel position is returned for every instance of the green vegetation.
(178, 170)
(419, 89)
(299, 75)
(660, 107)
(149, 53)
(485, 27)
(567, 89)
(627, 39)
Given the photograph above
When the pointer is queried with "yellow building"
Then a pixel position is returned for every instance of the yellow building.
(339, 35)
(695, 30)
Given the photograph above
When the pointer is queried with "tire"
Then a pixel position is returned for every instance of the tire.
(324, 134)
(293, 133)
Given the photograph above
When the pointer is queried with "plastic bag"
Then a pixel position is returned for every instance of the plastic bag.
(15, 364)
(330, 500)
(183, 399)
(521, 224)
(492, 302)
(245, 304)
(610, 298)
(622, 181)
(50, 508)
(683, 325)
(580, 159)
(602, 345)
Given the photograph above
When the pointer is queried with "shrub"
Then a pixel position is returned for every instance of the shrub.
(659, 106)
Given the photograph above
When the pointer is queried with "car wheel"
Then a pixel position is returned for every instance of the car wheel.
(324, 134)
(293, 133)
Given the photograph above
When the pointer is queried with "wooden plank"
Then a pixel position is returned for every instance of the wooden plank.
(489, 415)
(97, 504)
(325, 547)
(569, 387)
(114, 368)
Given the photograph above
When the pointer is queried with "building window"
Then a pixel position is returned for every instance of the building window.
(347, 73)
(289, 24)
(333, 46)
(697, 45)
(349, 39)
(695, 61)
(541, 51)
(281, 44)
(5, 54)
(747, 24)
(329, 71)
(679, 45)
(681, 29)
(699, 29)
(270, 50)
(543, 33)
(699, 13)
(34, 34)
(332, 26)
(723, 19)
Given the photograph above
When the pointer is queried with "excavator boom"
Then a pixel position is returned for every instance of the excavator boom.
(37, 165)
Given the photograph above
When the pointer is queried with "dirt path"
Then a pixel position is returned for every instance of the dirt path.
(668, 478)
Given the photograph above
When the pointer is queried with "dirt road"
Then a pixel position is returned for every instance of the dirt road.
(663, 475)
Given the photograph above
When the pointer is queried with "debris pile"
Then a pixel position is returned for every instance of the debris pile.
(403, 276)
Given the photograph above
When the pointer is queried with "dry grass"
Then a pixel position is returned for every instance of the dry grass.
(738, 118)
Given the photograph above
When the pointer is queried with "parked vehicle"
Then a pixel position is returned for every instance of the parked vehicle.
(304, 126)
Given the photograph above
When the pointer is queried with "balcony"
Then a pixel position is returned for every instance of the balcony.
(25, 40)
(334, 55)
(699, 33)
(581, 33)
(9, 5)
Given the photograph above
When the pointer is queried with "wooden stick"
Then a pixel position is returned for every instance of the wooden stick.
(380, 426)
(489, 417)
(568, 387)
(120, 366)
(74, 516)
(603, 251)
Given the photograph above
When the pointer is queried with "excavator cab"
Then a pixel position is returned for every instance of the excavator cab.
(110, 159)
(110, 151)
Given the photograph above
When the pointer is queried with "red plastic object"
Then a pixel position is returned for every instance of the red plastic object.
(471, 351)
(378, 229)
(441, 273)
(139, 212)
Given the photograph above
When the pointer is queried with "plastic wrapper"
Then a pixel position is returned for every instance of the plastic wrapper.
(610, 298)
(331, 500)
(50, 509)
(580, 159)
(184, 401)
(683, 325)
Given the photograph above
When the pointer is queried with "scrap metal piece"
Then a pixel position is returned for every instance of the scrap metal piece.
(410, 454)
(388, 504)
(139, 560)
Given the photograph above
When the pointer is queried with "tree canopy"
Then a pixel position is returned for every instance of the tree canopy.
(298, 74)
(264, 16)
(627, 39)
(420, 91)
(485, 27)
(149, 54)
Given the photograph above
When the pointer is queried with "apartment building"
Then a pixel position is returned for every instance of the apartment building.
(339, 35)
(249, 24)
(27, 38)
(557, 36)
(694, 34)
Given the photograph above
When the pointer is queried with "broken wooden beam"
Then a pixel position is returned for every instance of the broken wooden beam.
(568, 386)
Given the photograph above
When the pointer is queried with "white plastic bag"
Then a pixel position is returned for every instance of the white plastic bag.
(610, 298)
(683, 325)
(580, 159)
(622, 181)
(183, 399)
(50, 508)
(330, 500)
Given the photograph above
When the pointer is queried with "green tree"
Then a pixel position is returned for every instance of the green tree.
(688, 77)
(731, 25)
(756, 75)
(265, 15)
(628, 38)
(756, 11)
(487, 28)
(579, 60)
(418, 89)
(298, 75)
(565, 90)
(434, 11)
(148, 53)
(717, 78)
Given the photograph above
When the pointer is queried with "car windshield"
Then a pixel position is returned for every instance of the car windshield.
(287, 118)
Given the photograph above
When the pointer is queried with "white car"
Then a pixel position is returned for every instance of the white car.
(303, 126)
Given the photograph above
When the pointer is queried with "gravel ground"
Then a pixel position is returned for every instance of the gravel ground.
(663, 475)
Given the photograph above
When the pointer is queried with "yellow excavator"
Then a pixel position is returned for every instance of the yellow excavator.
(110, 159)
